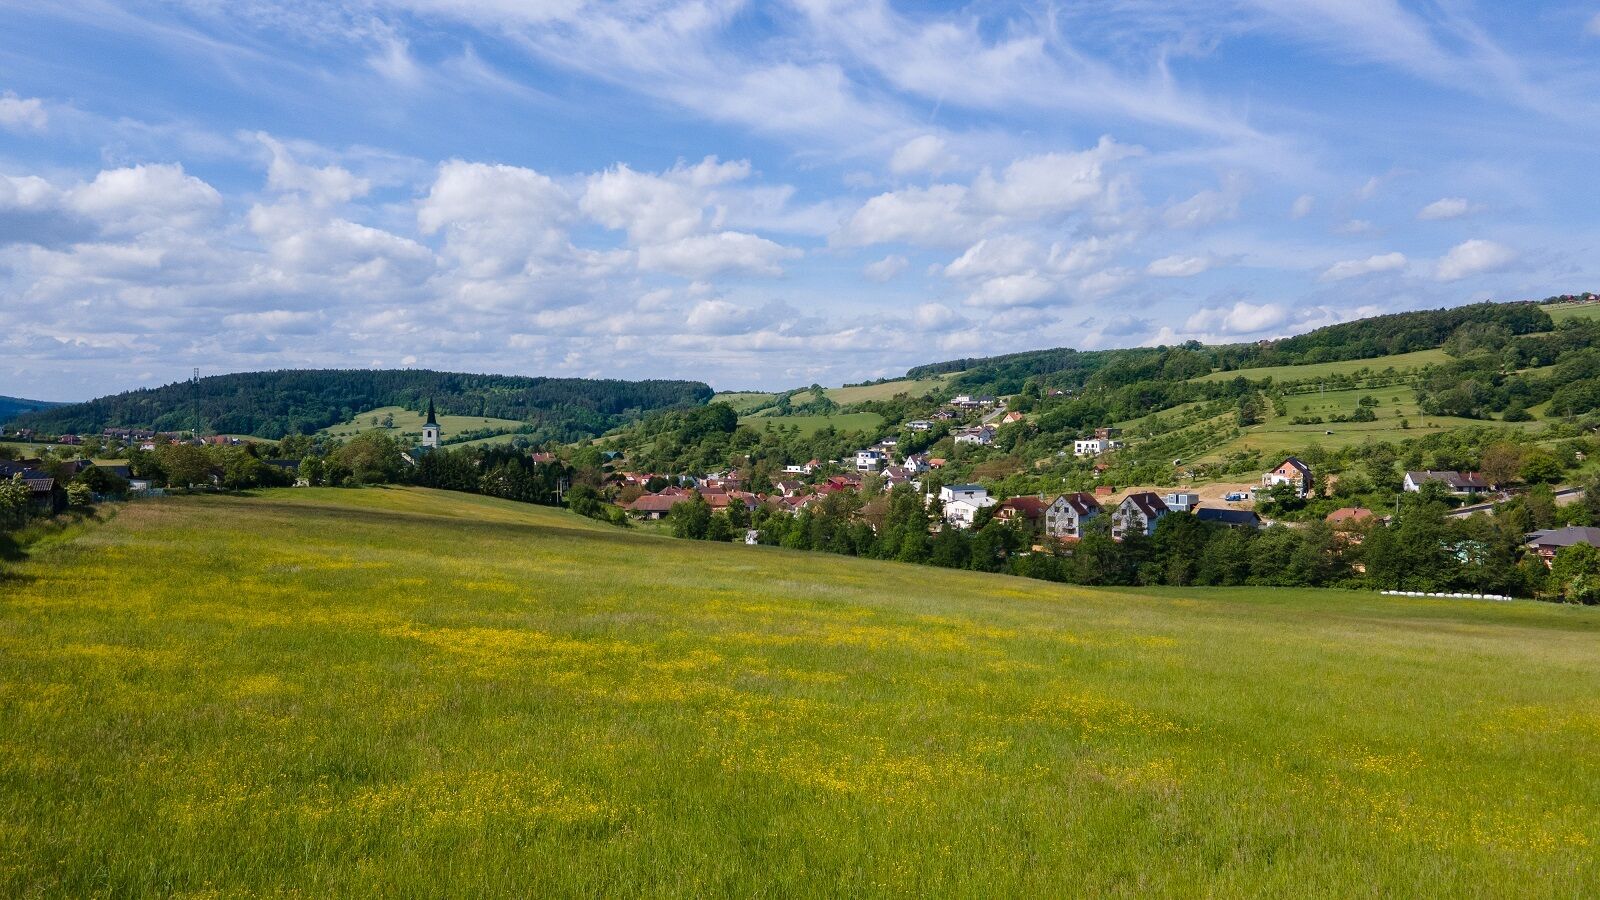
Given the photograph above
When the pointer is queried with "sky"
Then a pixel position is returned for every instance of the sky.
(766, 195)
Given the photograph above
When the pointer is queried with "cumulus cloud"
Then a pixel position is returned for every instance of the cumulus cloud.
(146, 198)
(1206, 207)
(885, 269)
(22, 113)
(1474, 257)
(1178, 266)
(323, 186)
(933, 215)
(1241, 318)
(652, 208)
(1445, 208)
(926, 153)
(1352, 268)
(496, 219)
(698, 256)
(1011, 290)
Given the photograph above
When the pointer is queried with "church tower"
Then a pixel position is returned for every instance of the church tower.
(430, 429)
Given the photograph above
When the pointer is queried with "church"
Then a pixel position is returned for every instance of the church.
(430, 429)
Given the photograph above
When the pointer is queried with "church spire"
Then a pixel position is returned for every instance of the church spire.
(430, 413)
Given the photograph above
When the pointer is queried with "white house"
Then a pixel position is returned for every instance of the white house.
(1464, 483)
(918, 425)
(962, 513)
(1180, 501)
(1090, 447)
(1065, 516)
(1137, 514)
(871, 460)
(982, 435)
(951, 493)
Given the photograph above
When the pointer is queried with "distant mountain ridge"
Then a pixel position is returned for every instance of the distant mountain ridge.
(277, 403)
(14, 406)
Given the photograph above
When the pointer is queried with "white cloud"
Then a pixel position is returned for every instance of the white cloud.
(1351, 268)
(1474, 257)
(1445, 208)
(933, 215)
(702, 255)
(1011, 290)
(1302, 207)
(323, 186)
(1050, 183)
(145, 198)
(22, 113)
(1207, 206)
(926, 153)
(1000, 255)
(885, 269)
(1354, 227)
(1240, 319)
(1178, 266)
(653, 208)
(933, 316)
(496, 219)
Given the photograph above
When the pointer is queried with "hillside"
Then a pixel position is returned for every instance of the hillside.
(301, 401)
(14, 406)
(400, 692)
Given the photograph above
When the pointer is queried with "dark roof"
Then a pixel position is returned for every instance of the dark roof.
(1085, 504)
(1148, 503)
(1453, 480)
(431, 420)
(1029, 507)
(1565, 537)
(1228, 516)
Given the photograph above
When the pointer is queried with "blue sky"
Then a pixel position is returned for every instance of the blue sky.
(766, 195)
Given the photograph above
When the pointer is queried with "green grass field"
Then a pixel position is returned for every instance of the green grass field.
(396, 692)
(743, 401)
(1401, 362)
(408, 421)
(916, 387)
(863, 421)
(1561, 312)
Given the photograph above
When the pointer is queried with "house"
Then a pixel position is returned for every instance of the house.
(919, 425)
(936, 462)
(1065, 515)
(1090, 447)
(1460, 483)
(656, 506)
(1232, 518)
(962, 513)
(43, 489)
(805, 469)
(1346, 518)
(1137, 514)
(1549, 542)
(983, 435)
(788, 487)
(1181, 501)
(1104, 490)
(943, 415)
(950, 493)
(1011, 417)
(916, 463)
(1292, 471)
(1108, 433)
(1029, 510)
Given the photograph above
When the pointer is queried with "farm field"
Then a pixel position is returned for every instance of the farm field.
(402, 692)
(916, 387)
(1561, 312)
(743, 401)
(1400, 362)
(409, 421)
(862, 421)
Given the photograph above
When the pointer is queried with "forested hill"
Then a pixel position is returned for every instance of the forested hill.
(12, 406)
(1362, 339)
(301, 401)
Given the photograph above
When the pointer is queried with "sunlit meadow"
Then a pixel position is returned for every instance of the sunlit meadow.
(401, 692)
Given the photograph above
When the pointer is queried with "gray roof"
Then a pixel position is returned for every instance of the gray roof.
(1565, 537)
(965, 487)
(1228, 516)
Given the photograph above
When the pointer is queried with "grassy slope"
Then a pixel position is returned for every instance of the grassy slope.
(1401, 362)
(812, 424)
(916, 387)
(743, 401)
(1560, 312)
(399, 692)
(406, 420)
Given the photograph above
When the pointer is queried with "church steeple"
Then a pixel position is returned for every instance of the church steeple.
(430, 428)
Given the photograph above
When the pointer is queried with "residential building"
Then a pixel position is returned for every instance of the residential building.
(1108, 433)
(1466, 484)
(1549, 542)
(1029, 510)
(1351, 517)
(1137, 514)
(871, 460)
(1011, 417)
(918, 425)
(788, 487)
(1292, 471)
(1181, 501)
(1066, 515)
(1232, 518)
(1090, 446)
(950, 493)
(982, 435)
(961, 513)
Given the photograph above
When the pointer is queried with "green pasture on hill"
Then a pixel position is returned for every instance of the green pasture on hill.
(397, 692)
(863, 421)
(410, 422)
(743, 401)
(1400, 362)
(1561, 312)
(887, 390)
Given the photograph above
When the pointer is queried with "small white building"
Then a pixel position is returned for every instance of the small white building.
(918, 425)
(871, 460)
(982, 436)
(952, 493)
(1181, 501)
(1090, 447)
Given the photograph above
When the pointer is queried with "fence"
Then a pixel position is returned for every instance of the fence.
(1448, 596)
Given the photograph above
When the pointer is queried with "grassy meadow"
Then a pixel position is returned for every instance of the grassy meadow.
(1561, 312)
(398, 692)
(1400, 362)
(886, 390)
(408, 421)
(861, 421)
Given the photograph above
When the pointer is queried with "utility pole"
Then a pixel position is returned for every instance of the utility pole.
(194, 403)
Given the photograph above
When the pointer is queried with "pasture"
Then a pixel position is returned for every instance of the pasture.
(1400, 362)
(886, 390)
(398, 692)
(861, 421)
(1561, 312)
(407, 421)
